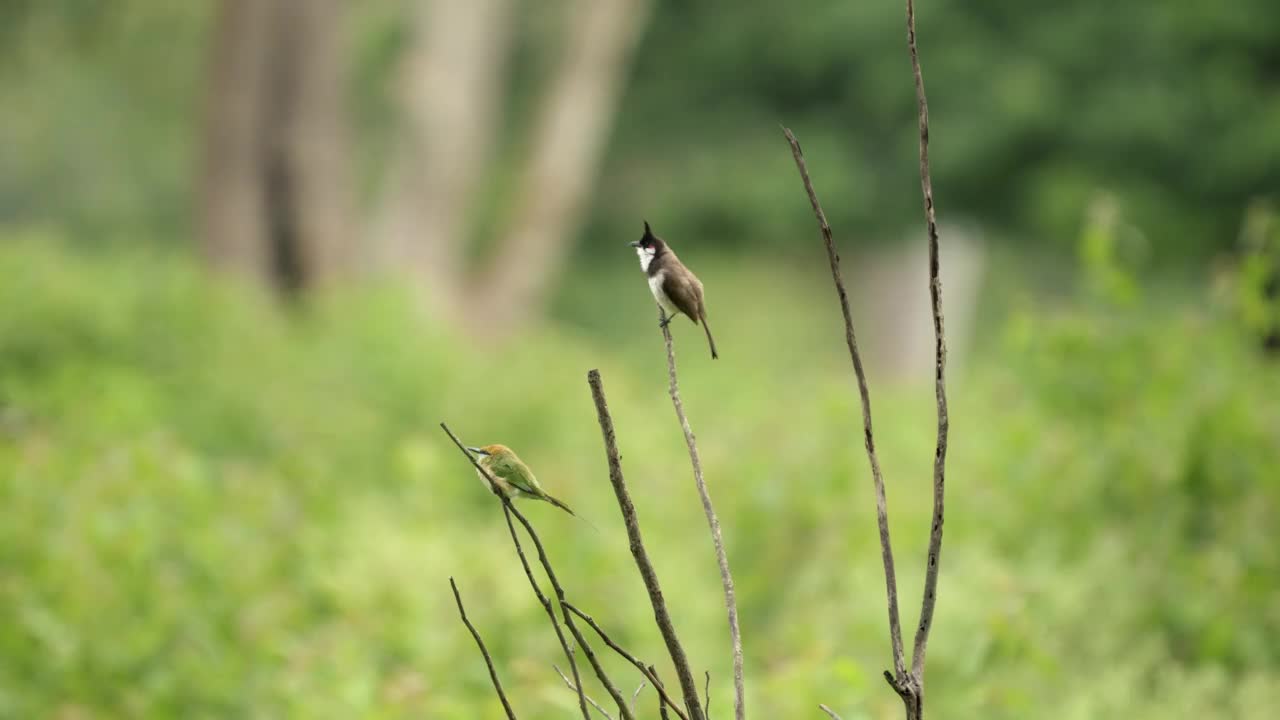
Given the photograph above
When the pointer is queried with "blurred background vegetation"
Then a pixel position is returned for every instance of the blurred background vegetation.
(252, 251)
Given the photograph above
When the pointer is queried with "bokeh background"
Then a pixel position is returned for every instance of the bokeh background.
(253, 251)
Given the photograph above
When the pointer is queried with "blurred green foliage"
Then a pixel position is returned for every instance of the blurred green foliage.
(212, 506)
(216, 508)
(1172, 108)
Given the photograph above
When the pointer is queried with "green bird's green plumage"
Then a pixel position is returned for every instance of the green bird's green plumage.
(514, 478)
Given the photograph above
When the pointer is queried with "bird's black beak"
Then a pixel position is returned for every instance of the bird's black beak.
(634, 244)
(477, 451)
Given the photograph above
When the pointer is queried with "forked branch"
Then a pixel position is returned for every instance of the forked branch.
(940, 368)
(569, 683)
(868, 436)
(908, 685)
(509, 509)
(623, 709)
(647, 670)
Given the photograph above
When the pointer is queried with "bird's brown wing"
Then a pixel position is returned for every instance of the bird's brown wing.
(685, 292)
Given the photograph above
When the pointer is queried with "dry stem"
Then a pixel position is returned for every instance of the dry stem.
(661, 616)
(574, 688)
(713, 522)
(940, 371)
(509, 509)
(882, 512)
(488, 661)
(647, 670)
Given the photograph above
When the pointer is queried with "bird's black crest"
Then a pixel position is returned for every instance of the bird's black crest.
(648, 239)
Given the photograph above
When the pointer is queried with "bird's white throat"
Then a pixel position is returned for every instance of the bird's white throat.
(646, 257)
(656, 281)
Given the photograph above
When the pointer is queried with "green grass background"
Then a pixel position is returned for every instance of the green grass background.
(212, 507)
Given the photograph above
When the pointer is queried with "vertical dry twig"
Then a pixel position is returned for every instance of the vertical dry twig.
(713, 522)
(662, 709)
(940, 366)
(706, 692)
(661, 616)
(488, 661)
(882, 512)
(908, 685)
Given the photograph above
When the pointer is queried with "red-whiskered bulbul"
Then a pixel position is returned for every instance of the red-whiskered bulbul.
(674, 286)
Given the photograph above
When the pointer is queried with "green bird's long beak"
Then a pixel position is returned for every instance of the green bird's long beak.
(477, 451)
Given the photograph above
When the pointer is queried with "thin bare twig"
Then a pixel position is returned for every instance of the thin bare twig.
(636, 694)
(713, 522)
(648, 671)
(908, 685)
(660, 614)
(830, 713)
(706, 696)
(882, 512)
(509, 509)
(612, 689)
(574, 688)
(545, 602)
(488, 661)
(662, 708)
(940, 368)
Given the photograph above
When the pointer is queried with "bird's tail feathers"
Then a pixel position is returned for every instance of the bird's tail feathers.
(559, 504)
(707, 329)
(569, 510)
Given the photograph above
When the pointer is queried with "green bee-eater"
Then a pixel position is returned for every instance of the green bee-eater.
(515, 479)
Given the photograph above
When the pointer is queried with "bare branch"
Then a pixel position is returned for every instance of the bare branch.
(509, 509)
(830, 713)
(713, 522)
(612, 689)
(882, 513)
(575, 688)
(706, 696)
(662, 709)
(661, 616)
(636, 694)
(546, 606)
(909, 686)
(646, 670)
(940, 367)
(488, 661)
(493, 482)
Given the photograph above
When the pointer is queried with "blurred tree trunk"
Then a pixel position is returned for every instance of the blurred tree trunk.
(451, 90)
(569, 136)
(451, 94)
(274, 188)
(232, 235)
